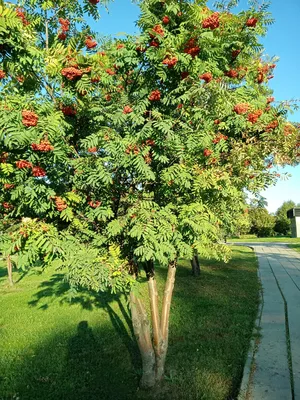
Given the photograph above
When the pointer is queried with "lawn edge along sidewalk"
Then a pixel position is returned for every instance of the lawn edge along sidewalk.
(250, 360)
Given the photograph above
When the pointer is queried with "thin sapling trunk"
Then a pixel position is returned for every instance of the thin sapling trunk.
(195, 265)
(9, 270)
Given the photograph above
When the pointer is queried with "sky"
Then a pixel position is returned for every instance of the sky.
(282, 40)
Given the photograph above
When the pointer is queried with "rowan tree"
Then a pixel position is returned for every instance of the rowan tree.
(122, 155)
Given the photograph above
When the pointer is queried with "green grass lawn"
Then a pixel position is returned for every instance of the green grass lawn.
(295, 246)
(282, 239)
(53, 350)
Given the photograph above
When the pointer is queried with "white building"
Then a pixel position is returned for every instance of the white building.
(294, 215)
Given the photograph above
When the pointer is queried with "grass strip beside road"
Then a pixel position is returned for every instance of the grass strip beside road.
(295, 246)
(51, 349)
(282, 239)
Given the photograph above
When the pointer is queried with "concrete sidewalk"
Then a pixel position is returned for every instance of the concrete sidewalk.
(273, 368)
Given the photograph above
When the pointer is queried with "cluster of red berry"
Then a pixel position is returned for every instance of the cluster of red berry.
(263, 71)
(207, 77)
(94, 1)
(20, 13)
(23, 164)
(90, 43)
(94, 204)
(109, 71)
(38, 172)
(241, 108)
(7, 206)
(154, 43)
(253, 117)
(211, 22)
(170, 62)
(288, 130)
(166, 20)
(2, 74)
(68, 110)
(232, 73)
(8, 186)
(133, 149)
(251, 22)
(92, 149)
(127, 110)
(95, 79)
(64, 24)
(3, 157)
(150, 142)
(219, 137)
(64, 28)
(272, 125)
(158, 30)
(235, 53)
(184, 74)
(207, 152)
(191, 48)
(44, 146)
(154, 95)
(148, 158)
(71, 73)
(60, 203)
(29, 118)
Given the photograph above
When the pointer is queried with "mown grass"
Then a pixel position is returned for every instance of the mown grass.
(277, 239)
(295, 246)
(51, 349)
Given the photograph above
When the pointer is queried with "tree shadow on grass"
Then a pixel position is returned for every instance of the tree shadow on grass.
(58, 289)
(73, 365)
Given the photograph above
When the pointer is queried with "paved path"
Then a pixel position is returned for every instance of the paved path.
(276, 363)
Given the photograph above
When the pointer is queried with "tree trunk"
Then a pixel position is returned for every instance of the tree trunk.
(195, 265)
(153, 352)
(9, 270)
(165, 318)
(142, 333)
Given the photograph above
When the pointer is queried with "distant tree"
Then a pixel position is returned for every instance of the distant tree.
(243, 224)
(283, 224)
(262, 223)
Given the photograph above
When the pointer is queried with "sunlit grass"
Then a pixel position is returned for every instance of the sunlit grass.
(280, 239)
